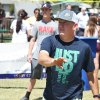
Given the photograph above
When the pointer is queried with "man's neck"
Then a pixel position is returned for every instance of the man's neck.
(46, 19)
(67, 38)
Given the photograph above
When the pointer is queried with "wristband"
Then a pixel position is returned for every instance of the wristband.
(96, 96)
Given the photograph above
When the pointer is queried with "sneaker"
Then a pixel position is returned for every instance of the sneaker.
(24, 98)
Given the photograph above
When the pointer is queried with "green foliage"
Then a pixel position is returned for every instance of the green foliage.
(11, 8)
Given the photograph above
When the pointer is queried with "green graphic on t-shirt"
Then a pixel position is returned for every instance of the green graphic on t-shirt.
(71, 56)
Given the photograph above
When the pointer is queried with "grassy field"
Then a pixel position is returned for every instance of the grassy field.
(14, 89)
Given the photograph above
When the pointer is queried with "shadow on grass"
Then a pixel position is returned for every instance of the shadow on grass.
(40, 98)
(17, 88)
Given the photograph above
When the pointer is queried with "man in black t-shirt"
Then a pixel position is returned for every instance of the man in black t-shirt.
(65, 56)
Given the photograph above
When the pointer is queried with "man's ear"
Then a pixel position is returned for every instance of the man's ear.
(75, 26)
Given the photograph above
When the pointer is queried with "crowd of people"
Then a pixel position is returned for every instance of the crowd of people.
(59, 51)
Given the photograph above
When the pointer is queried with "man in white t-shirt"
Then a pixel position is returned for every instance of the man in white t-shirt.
(42, 29)
(31, 20)
(82, 21)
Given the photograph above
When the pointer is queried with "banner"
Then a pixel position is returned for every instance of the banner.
(92, 42)
(13, 60)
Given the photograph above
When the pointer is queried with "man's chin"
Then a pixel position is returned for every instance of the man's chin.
(61, 33)
(45, 16)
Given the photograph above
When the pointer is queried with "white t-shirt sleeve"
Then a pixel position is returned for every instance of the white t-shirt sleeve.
(35, 29)
(28, 26)
(13, 24)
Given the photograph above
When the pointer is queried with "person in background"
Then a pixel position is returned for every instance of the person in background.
(64, 56)
(98, 20)
(20, 29)
(92, 30)
(2, 16)
(98, 42)
(42, 29)
(91, 12)
(82, 21)
(69, 7)
(98, 23)
(36, 17)
(32, 20)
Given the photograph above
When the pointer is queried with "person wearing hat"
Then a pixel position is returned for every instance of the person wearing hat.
(64, 56)
(42, 29)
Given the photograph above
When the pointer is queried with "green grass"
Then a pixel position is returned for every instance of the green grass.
(14, 89)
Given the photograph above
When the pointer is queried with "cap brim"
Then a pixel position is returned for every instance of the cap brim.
(57, 18)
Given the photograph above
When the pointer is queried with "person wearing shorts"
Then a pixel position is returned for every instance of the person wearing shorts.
(42, 29)
(36, 69)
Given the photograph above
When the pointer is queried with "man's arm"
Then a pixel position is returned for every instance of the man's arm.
(47, 61)
(93, 81)
(29, 35)
(31, 45)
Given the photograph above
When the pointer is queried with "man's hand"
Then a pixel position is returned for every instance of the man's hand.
(59, 62)
(29, 58)
(96, 98)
